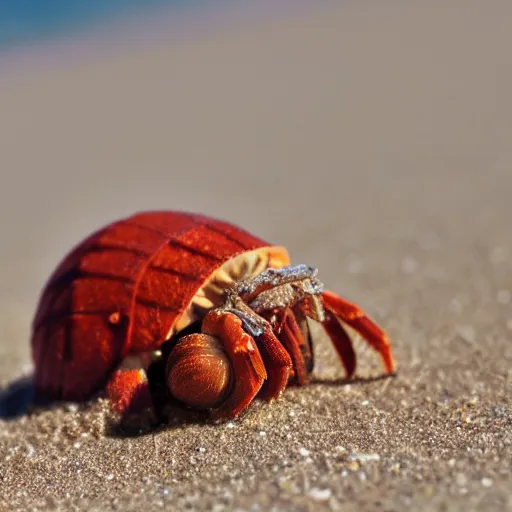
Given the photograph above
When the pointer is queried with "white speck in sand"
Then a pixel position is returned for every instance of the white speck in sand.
(230, 425)
(291, 414)
(77, 445)
(486, 482)
(30, 451)
(365, 403)
(110, 476)
(262, 433)
(320, 495)
(365, 457)
(201, 449)
(304, 452)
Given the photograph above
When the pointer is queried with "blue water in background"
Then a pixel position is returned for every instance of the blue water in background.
(26, 21)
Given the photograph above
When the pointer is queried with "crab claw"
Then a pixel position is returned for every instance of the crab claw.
(249, 356)
(336, 309)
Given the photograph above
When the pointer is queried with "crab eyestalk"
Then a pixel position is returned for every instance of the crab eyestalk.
(199, 372)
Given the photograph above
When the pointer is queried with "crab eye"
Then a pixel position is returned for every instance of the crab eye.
(199, 372)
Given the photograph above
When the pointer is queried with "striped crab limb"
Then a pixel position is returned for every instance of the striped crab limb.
(278, 363)
(296, 344)
(337, 308)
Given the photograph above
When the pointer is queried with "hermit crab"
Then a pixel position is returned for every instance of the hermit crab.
(177, 306)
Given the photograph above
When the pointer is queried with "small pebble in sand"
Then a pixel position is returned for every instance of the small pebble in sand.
(486, 482)
(353, 465)
(110, 476)
(201, 449)
(364, 457)
(262, 433)
(30, 451)
(304, 452)
(291, 414)
(320, 495)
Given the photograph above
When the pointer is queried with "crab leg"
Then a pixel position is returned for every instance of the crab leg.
(356, 318)
(341, 341)
(128, 392)
(248, 368)
(292, 339)
(278, 363)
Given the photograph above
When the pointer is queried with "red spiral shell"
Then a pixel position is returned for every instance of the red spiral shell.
(121, 291)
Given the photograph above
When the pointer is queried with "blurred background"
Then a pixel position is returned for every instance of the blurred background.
(373, 139)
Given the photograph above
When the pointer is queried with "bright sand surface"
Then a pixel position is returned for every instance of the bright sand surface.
(371, 138)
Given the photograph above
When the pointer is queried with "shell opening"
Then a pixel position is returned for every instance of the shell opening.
(243, 266)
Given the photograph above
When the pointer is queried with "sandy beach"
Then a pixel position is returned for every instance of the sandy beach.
(374, 141)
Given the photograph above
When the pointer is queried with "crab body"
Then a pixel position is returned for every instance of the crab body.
(142, 282)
